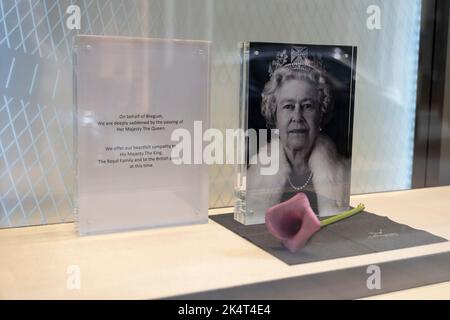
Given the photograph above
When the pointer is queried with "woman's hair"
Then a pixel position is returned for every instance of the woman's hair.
(291, 72)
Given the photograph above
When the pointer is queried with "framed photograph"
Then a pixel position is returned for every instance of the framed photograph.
(297, 104)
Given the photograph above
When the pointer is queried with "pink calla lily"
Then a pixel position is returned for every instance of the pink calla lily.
(294, 222)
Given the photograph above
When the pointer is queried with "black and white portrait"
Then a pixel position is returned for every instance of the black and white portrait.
(306, 94)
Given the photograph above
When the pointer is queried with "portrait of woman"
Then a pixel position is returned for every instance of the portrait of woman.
(297, 101)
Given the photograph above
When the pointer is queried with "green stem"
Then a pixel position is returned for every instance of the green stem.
(342, 216)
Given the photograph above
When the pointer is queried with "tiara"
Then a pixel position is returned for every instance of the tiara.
(299, 59)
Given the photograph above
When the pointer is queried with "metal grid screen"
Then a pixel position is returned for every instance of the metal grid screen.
(36, 126)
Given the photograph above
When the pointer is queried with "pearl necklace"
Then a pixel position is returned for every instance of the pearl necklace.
(303, 186)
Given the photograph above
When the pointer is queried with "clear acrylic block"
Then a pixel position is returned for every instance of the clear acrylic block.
(296, 107)
(131, 94)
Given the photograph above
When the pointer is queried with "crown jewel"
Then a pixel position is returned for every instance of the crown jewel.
(299, 59)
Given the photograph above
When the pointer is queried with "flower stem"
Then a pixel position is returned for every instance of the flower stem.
(342, 216)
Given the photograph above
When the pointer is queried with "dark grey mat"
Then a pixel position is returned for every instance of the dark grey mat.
(361, 234)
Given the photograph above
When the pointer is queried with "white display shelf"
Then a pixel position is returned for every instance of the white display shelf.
(159, 263)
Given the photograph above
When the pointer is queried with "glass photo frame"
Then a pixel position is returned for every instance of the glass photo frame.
(131, 95)
(297, 105)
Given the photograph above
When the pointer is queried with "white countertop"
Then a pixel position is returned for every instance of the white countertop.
(157, 263)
